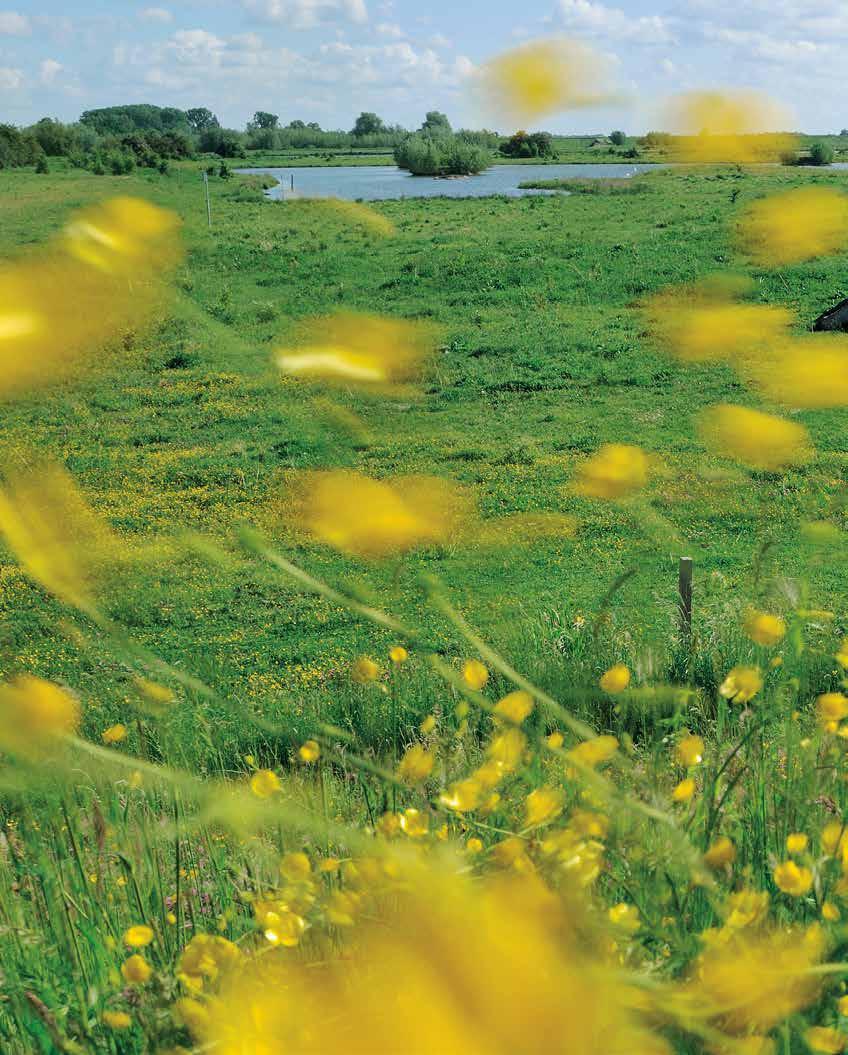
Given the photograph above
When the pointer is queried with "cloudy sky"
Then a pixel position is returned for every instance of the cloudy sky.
(325, 60)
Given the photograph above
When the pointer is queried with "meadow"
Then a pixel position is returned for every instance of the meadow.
(271, 736)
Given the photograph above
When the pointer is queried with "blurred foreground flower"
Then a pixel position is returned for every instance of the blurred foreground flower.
(765, 629)
(34, 715)
(59, 306)
(54, 533)
(742, 684)
(450, 966)
(706, 322)
(376, 518)
(615, 471)
(355, 214)
(807, 372)
(729, 127)
(798, 225)
(760, 441)
(365, 351)
(544, 77)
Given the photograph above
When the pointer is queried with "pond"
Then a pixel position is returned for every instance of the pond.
(379, 182)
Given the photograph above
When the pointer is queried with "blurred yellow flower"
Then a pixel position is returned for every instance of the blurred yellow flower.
(377, 518)
(824, 1040)
(34, 714)
(806, 372)
(616, 679)
(138, 937)
(765, 629)
(797, 225)
(615, 471)
(114, 734)
(793, 879)
(515, 707)
(463, 796)
(475, 675)
(625, 917)
(474, 845)
(309, 752)
(117, 1019)
(742, 684)
(722, 852)
(414, 823)
(416, 765)
(555, 741)
(797, 843)
(205, 959)
(428, 725)
(122, 235)
(398, 655)
(684, 790)
(265, 783)
(832, 707)
(728, 127)
(544, 77)
(295, 867)
(136, 970)
(357, 214)
(760, 441)
(364, 670)
(543, 805)
(365, 351)
(690, 751)
(595, 751)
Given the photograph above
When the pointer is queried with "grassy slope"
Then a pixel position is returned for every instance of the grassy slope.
(543, 359)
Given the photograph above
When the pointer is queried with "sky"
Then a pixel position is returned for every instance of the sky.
(327, 60)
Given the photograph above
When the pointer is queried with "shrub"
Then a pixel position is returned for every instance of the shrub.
(618, 138)
(41, 166)
(821, 154)
(444, 156)
(534, 145)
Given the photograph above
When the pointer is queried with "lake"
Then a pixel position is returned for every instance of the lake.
(379, 182)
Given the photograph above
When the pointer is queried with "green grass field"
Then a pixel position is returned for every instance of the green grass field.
(542, 359)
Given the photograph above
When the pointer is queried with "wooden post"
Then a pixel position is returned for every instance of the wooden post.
(208, 202)
(685, 589)
(292, 185)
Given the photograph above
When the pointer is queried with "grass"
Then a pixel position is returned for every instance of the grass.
(186, 432)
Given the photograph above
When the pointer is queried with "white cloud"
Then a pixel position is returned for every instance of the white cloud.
(306, 14)
(156, 14)
(14, 24)
(10, 79)
(49, 70)
(597, 19)
(390, 29)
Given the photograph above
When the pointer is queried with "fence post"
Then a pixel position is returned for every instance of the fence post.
(684, 586)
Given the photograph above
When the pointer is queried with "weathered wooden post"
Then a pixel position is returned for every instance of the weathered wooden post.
(684, 586)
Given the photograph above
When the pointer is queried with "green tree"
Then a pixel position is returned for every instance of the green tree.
(821, 154)
(436, 124)
(618, 138)
(200, 118)
(368, 124)
(263, 122)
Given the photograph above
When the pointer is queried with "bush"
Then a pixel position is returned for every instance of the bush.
(618, 139)
(224, 142)
(821, 154)
(17, 148)
(444, 156)
(41, 166)
(534, 145)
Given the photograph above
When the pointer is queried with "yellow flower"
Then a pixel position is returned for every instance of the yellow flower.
(114, 734)
(475, 675)
(555, 741)
(842, 1005)
(825, 1040)
(414, 823)
(35, 713)
(379, 518)
(543, 77)
(616, 679)
(593, 752)
(416, 765)
(842, 655)
(690, 751)
(625, 917)
(745, 908)
(832, 707)
(463, 796)
(329, 866)
(296, 867)
(835, 838)
(398, 655)
(722, 852)
(117, 1019)
(138, 937)
(728, 127)
(515, 707)
(355, 213)
(797, 843)
(205, 959)
(831, 912)
(798, 225)
(806, 372)
(309, 752)
(155, 693)
(264, 783)
(760, 441)
(428, 725)
(281, 926)
(366, 351)
(364, 670)
(792, 880)
(742, 684)
(474, 845)
(615, 471)
(542, 806)
(765, 629)
(136, 970)
(684, 791)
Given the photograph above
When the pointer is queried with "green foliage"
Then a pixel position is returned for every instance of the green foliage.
(368, 124)
(263, 121)
(121, 120)
(225, 142)
(200, 118)
(821, 154)
(442, 156)
(17, 148)
(618, 138)
(533, 145)
(436, 124)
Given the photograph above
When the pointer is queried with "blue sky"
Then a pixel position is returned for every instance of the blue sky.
(325, 60)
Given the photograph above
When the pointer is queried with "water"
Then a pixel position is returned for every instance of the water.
(378, 182)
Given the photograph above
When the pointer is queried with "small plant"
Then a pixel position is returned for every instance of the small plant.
(41, 166)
